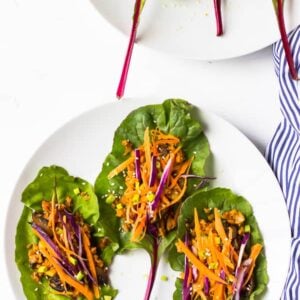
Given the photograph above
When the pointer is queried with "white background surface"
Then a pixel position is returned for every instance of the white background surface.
(60, 58)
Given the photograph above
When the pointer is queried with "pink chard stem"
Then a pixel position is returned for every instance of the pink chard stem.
(218, 14)
(154, 264)
(123, 79)
(285, 41)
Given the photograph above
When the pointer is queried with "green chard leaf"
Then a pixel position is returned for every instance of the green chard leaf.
(84, 201)
(224, 200)
(82, 193)
(173, 116)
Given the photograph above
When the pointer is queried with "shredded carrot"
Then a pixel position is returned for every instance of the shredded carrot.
(65, 234)
(212, 253)
(139, 230)
(83, 289)
(255, 251)
(134, 204)
(184, 167)
(219, 226)
(89, 255)
(120, 167)
(50, 258)
(181, 247)
(219, 293)
(197, 231)
(68, 251)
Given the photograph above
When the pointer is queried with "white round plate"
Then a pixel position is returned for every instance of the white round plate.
(81, 146)
(186, 28)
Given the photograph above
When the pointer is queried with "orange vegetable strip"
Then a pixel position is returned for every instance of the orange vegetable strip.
(190, 278)
(87, 248)
(219, 292)
(145, 175)
(140, 223)
(165, 200)
(83, 289)
(166, 141)
(227, 261)
(53, 211)
(121, 167)
(69, 252)
(255, 251)
(197, 263)
(178, 198)
(128, 221)
(211, 245)
(197, 230)
(181, 171)
(230, 233)
(224, 261)
(138, 230)
(219, 226)
(162, 136)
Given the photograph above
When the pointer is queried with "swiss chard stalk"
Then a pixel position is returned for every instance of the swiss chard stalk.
(218, 15)
(152, 231)
(136, 15)
(279, 10)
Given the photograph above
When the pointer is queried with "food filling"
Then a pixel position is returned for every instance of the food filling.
(64, 255)
(154, 184)
(219, 260)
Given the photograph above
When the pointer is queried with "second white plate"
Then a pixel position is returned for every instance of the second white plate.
(186, 28)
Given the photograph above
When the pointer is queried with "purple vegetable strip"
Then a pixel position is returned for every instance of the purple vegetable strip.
(242, 271)
(278, 4)
(222, 275)
(242, 250)
(68, 267)
(162, 183)
(78, 233)
(196, 176)
(123, 79)
(195, 273)
(203, 179)
(153, 171)
(86, 271)
(138, 175)
(218, 15)
(186, 295)
(65, 270)
(71, 220)
(206, 286)
(80, 259)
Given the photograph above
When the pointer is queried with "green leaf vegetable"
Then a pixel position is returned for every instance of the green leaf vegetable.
(224, 200)
(173, 117)
(84, 202)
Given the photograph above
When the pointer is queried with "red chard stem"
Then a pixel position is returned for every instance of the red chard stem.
(154, 264)
(123, 79)
(285, 41)
(218, 14)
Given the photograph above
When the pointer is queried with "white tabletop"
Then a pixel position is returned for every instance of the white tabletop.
(60, 58)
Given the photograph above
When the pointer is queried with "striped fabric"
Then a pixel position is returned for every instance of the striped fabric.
(283, 155)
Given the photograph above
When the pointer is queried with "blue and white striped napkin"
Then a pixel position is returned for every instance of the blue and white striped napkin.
(283, 154)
